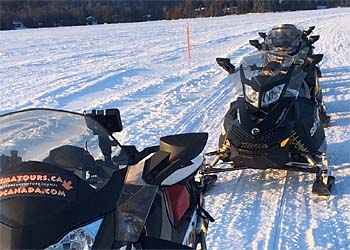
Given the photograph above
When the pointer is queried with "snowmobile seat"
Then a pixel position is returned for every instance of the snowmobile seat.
(179, 199)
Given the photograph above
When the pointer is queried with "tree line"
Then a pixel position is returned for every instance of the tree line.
(45, 13)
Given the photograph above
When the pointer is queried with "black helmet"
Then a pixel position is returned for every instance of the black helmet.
(284, 38)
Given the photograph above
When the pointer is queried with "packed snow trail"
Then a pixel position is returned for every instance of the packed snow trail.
(142, 69)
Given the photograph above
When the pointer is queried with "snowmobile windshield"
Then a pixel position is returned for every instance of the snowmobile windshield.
(60, 138)
(266, 63)
(284, 38)
(263, 75)
(134, 205)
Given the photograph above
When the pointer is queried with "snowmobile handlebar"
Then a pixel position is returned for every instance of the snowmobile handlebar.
(110, 119)
(226, 64)
(211, 153)
(215, 161)
(309, 30)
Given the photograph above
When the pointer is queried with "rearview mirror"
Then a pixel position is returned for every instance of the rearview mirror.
(262, 35)
(225, 63)
(309, 31)
(256, 44)
(313, 39)
(311, 61)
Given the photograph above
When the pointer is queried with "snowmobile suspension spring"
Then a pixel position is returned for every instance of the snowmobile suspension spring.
(215, 161)
(298, 143)
(310, 160)
(212, 153)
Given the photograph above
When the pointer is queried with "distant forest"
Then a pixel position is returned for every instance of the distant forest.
(45, 13)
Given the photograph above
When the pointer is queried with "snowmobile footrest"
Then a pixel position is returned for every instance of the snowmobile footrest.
(320, 188)
(219, 170)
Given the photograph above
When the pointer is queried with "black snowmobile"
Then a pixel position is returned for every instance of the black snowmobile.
(67, 183)
(291, 40)
(275, 122)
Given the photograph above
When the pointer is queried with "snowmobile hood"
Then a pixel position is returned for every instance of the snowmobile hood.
(49, 179)
(264, 70)
(266, 77)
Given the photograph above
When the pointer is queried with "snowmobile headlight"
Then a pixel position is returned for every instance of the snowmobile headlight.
(272, 95)
(82, 238)
(251, 95)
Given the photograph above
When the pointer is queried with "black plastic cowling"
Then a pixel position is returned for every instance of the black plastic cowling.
(175, 152)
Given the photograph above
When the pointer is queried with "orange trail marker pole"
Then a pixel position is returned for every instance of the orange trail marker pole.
(188, 40)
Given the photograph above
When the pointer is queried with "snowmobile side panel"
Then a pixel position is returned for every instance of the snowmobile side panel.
(160, 215)
(308, 127)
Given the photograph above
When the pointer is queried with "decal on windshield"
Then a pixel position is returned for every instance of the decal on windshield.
(37, 185)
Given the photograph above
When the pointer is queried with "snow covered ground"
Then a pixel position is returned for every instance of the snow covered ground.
(142, 68)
